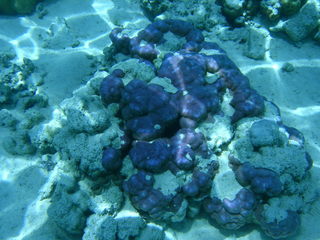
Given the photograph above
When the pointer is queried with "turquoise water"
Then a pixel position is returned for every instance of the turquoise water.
(54, 125)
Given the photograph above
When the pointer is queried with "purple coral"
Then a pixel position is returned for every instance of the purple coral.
(200, 182)
(279, 229)
(261, 180)
(231, 214)
(186, 143)
(111, 159)
(147, 109)
(161, 127)
(152, 157)
(144, 197)
(111, 87)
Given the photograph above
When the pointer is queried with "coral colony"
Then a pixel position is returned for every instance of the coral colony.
(162, 134)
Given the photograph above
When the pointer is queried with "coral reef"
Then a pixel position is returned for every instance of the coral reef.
(302, 24)
(21, 103)
(202, 13)
(231, 214)
(240, 12)
(173, 129)
(168, 130)
(171, 164)
(69, 208)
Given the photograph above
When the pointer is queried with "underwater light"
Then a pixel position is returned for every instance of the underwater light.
(275, 66)
(304, 111)
(4, 175)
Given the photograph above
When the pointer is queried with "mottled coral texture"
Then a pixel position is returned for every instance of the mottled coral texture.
(162, 129)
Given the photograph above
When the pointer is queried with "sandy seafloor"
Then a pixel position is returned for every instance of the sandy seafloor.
(23, 180)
